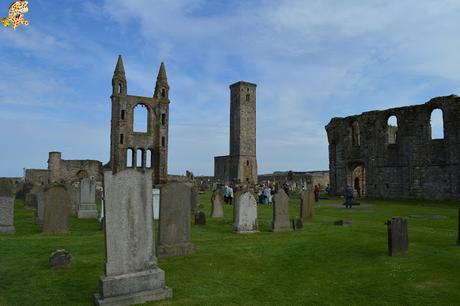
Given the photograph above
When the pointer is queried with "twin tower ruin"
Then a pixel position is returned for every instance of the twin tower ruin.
(148, 149)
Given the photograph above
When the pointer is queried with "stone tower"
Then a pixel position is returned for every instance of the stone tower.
(241, 165)
(145, 149)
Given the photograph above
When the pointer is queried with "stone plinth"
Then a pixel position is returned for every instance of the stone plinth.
(245, 214)
(175, 227)
(131, 273)
(307, 200)
(398, 241)
(217, 204)
(87, 206)
(40, 212)
(57, 210)
(280, 212)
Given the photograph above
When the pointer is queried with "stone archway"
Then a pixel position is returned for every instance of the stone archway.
(357, 178)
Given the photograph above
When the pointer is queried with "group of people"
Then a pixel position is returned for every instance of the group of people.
(265, 194)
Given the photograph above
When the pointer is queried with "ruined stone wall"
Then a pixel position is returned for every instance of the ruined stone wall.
(414, 166)
(37, 176)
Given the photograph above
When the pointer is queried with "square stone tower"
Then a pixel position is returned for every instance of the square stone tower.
(146, 149)
(241, 165)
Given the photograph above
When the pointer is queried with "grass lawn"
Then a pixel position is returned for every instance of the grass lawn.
(321, 264)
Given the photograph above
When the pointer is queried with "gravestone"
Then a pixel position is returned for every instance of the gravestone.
(280, 211)
(307, 208)
(87, 206)
(297, 223)
(30, 201)
(59, 259)
(174, 227)
(131, 273)
(73, 190)
(343, 222)
(217, 204)
(156, 203)
(398, 241)
(194, 199)
(245, 213)
(57, 210)
(40, 212)
(7, 197)
(200, 218)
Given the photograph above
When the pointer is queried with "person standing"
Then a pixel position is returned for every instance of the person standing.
(230, 195)
(226, 193)
(348, 197)
(316, 190)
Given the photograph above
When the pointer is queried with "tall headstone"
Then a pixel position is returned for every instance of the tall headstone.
(7, 197)
(73, 190)
(30, 200)
(307, 208)
(398, 241)
(57, 210)
(280, 211)
(174, 231)
(156, 203)
(245, 214)
(87, 207)
(217, 204)
(131, 272)
(40, 212)
(194, 199)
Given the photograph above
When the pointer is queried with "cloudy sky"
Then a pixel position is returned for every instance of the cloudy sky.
(312, 60)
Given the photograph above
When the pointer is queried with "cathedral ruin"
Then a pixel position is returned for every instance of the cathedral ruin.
(241, 165)
(397, 160)
(141, 149)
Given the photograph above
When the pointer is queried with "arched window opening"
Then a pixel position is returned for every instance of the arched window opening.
(248, 97)
(247, 163)
(121, 138)
(140, 120)
(149, 161)
(392, 129)
(139, 158)
(355, 134)
(122, 114)
(163, 141)
(120, 88)
(437, 124)
(163, 119)
(163, 93)
(129, 158)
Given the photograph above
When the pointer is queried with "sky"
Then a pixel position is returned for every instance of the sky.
(311, 60)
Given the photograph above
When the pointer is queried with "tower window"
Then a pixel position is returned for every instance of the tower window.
(248, 97)
(129, 158)
(392, 130)
(122, 114)
(163, 141)
(163, 119)
(163, 92)
(140, 120)
(120, 87)
(247, 163)
(121, 138)
(149, 159)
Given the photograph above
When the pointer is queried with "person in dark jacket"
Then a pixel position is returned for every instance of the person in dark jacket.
(348, 197)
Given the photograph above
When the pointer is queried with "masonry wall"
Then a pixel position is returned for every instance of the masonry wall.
(415, 166)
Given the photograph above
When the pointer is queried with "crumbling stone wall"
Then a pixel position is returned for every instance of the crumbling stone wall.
(414, 166)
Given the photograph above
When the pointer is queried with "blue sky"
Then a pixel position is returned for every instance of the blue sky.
(312, 60)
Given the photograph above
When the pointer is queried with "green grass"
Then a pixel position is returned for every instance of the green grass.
(321, 264)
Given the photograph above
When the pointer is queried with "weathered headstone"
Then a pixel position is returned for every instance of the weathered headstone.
(87, 206)
(342, 222)
(73, 190)
(217, 204)
(280, 211)
(245, 214)
(30, 200)
(40, 212)
(156, 203)
(57, 210)
(131, 272)
(297, 223)
(7, 197)
(59, 259)
(174, 231)
(398, 241)
(307, 200)
(194, 199)
(200, 218)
